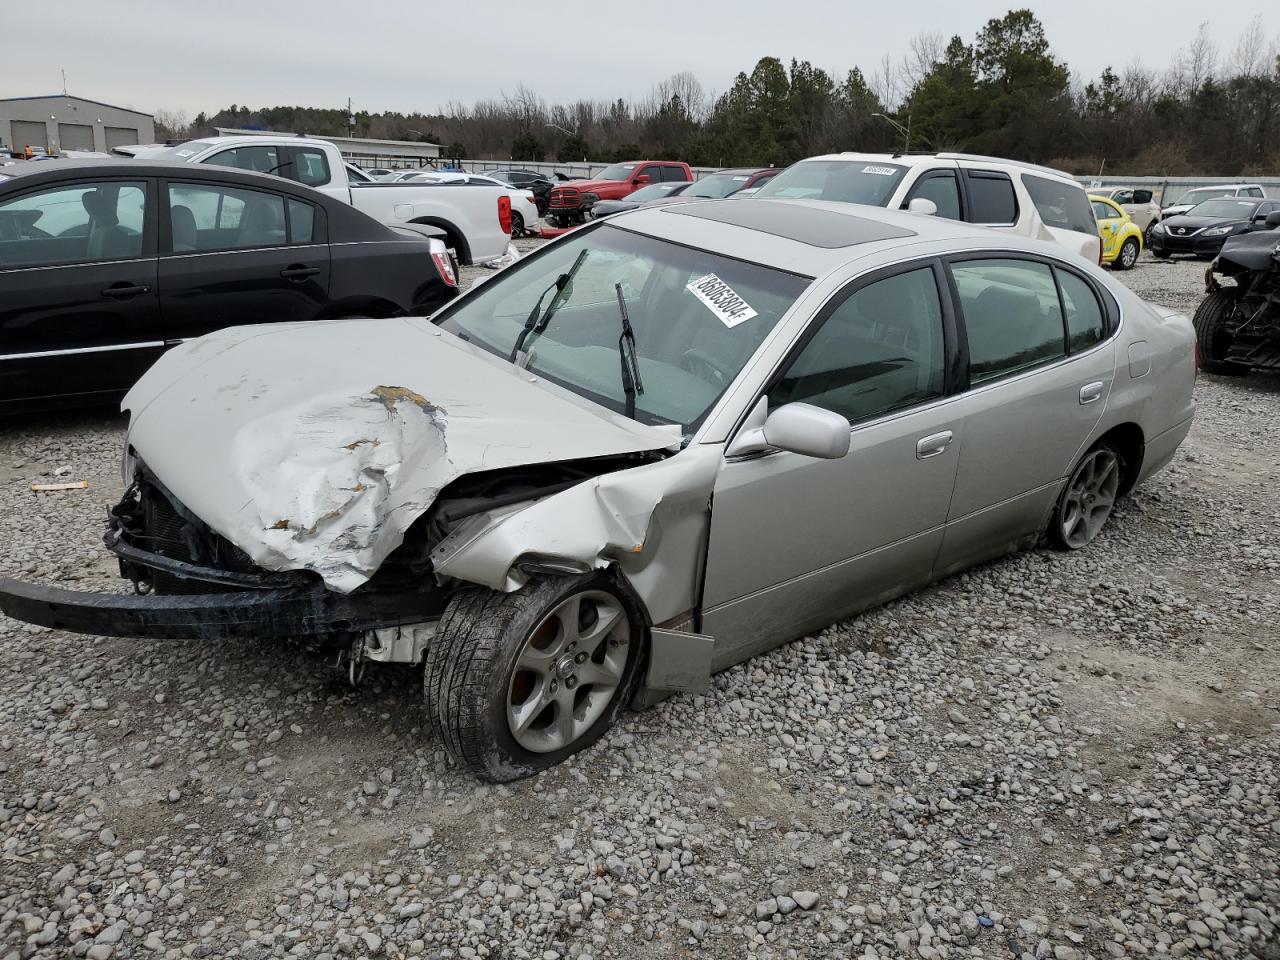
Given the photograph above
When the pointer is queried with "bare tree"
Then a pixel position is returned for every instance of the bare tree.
(1252, 56)
(172, 125)
(1197, 63)
(923, 52)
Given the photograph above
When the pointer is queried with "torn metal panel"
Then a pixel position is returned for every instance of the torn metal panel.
(651, 521)
(328, 467)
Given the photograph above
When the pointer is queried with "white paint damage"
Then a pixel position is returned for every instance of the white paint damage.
(316, 446)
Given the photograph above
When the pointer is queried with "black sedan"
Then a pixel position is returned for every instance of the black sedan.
(105, 264)
(639, 198)
(538, 183)
(1204, 228)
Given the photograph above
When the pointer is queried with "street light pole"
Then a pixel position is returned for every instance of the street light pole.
(905, 131)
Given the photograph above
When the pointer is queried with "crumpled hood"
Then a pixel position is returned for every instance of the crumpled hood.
(315, 445)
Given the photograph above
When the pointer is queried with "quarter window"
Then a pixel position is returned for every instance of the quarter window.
(302, 222)
(991, 197)
(878, 351)
(204, 217)
(102, 221)
(1085, 325)
(1104, 211)
(1060, 204)
(1011, 314)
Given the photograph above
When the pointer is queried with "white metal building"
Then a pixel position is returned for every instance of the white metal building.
(61, 123)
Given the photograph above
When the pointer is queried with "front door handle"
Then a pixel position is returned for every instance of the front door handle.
(299, 272)
(1091, 391)
(123, 291)
(933, 445)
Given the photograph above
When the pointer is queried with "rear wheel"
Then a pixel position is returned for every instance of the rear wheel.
(1090, 495)
(517, 225)
(1212, 334)
(517, 682)
(1128, 255)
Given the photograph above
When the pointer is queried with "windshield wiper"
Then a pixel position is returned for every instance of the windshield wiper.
(535, 323)
(631, 382)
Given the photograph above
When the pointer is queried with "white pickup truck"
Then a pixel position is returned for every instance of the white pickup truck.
(476, 221)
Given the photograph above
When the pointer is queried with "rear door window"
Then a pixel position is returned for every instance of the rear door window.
(1012, 316)
(1142, 196)
(1085, 323)
(991, 197)
(1060, 204)
(302, 222)
(207, 217)
(309, 167)
(261, 159)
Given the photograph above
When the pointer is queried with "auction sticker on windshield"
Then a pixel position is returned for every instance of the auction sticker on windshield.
(720, 298)
(880, 171)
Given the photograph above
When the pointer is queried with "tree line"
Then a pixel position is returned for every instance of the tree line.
(1004, 92)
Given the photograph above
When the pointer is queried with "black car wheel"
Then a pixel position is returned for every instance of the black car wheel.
(1161, 254)
(517, 225)
(517, 682)
(1212, 336)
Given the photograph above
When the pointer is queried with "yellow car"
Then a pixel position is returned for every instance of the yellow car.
(1121, 237)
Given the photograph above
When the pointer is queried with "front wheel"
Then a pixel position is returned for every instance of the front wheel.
(517, 682)
(1086, 502)
(1212, 335)
(1128, 255)
(1161, 254)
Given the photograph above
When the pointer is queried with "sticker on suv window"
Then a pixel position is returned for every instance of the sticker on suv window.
(880, 171)
(729, 308)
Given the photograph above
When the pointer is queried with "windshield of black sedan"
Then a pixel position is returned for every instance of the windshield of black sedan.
(697, 316)
(846, 181)
(1224, 209)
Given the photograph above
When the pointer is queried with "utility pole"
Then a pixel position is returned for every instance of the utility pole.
(64, 83)
(351, 120)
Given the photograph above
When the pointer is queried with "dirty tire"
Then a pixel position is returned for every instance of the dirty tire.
(1212, 313)
(1128, 254)
(471, 665)
(1088, 499)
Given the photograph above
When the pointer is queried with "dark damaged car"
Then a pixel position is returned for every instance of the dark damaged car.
(1238, 322)
(667, 442)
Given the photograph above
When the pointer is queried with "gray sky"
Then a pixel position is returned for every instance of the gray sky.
(177, 55)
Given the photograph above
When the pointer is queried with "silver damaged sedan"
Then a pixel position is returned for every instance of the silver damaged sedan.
(656, 447)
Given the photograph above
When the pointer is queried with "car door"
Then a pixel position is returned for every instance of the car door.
(797, 542)
(231, 255)
(79, 314)
(1039, 382)
(1109, 223)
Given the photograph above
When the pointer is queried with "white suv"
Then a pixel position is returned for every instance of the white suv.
(1025, 199)
(1190, 198)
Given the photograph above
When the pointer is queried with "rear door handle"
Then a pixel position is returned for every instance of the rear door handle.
(299, 272)
(933, 445)
(123, 291)
(1091, 391)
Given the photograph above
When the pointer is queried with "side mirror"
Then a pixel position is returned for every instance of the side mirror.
(641, 180)
(923, 206)
(1273, 220)
(799, 428)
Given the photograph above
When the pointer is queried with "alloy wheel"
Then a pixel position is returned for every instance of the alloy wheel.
(1090, 497)
(568, 671)
(1128, 254)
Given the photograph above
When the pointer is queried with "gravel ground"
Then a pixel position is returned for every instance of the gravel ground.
(1056, 755)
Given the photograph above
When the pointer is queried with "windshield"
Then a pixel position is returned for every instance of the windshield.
(655, 191)
(1226, 209)
(619, 171)
(848, 181)
(1203, 193)
(717, 186)
(698, 317)
(182, 151)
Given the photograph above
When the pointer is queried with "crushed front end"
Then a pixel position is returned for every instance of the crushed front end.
(191, 583)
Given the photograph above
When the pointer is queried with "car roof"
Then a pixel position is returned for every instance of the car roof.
(808, 237)
(116, 166)
(924, 159)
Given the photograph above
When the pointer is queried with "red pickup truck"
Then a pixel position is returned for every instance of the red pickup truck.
(569, 202)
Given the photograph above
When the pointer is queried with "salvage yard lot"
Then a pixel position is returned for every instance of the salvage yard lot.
(1067, 755)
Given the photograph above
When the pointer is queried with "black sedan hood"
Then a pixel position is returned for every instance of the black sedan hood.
(1199, 223)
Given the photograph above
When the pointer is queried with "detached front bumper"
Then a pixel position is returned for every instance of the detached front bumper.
(311, 611)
